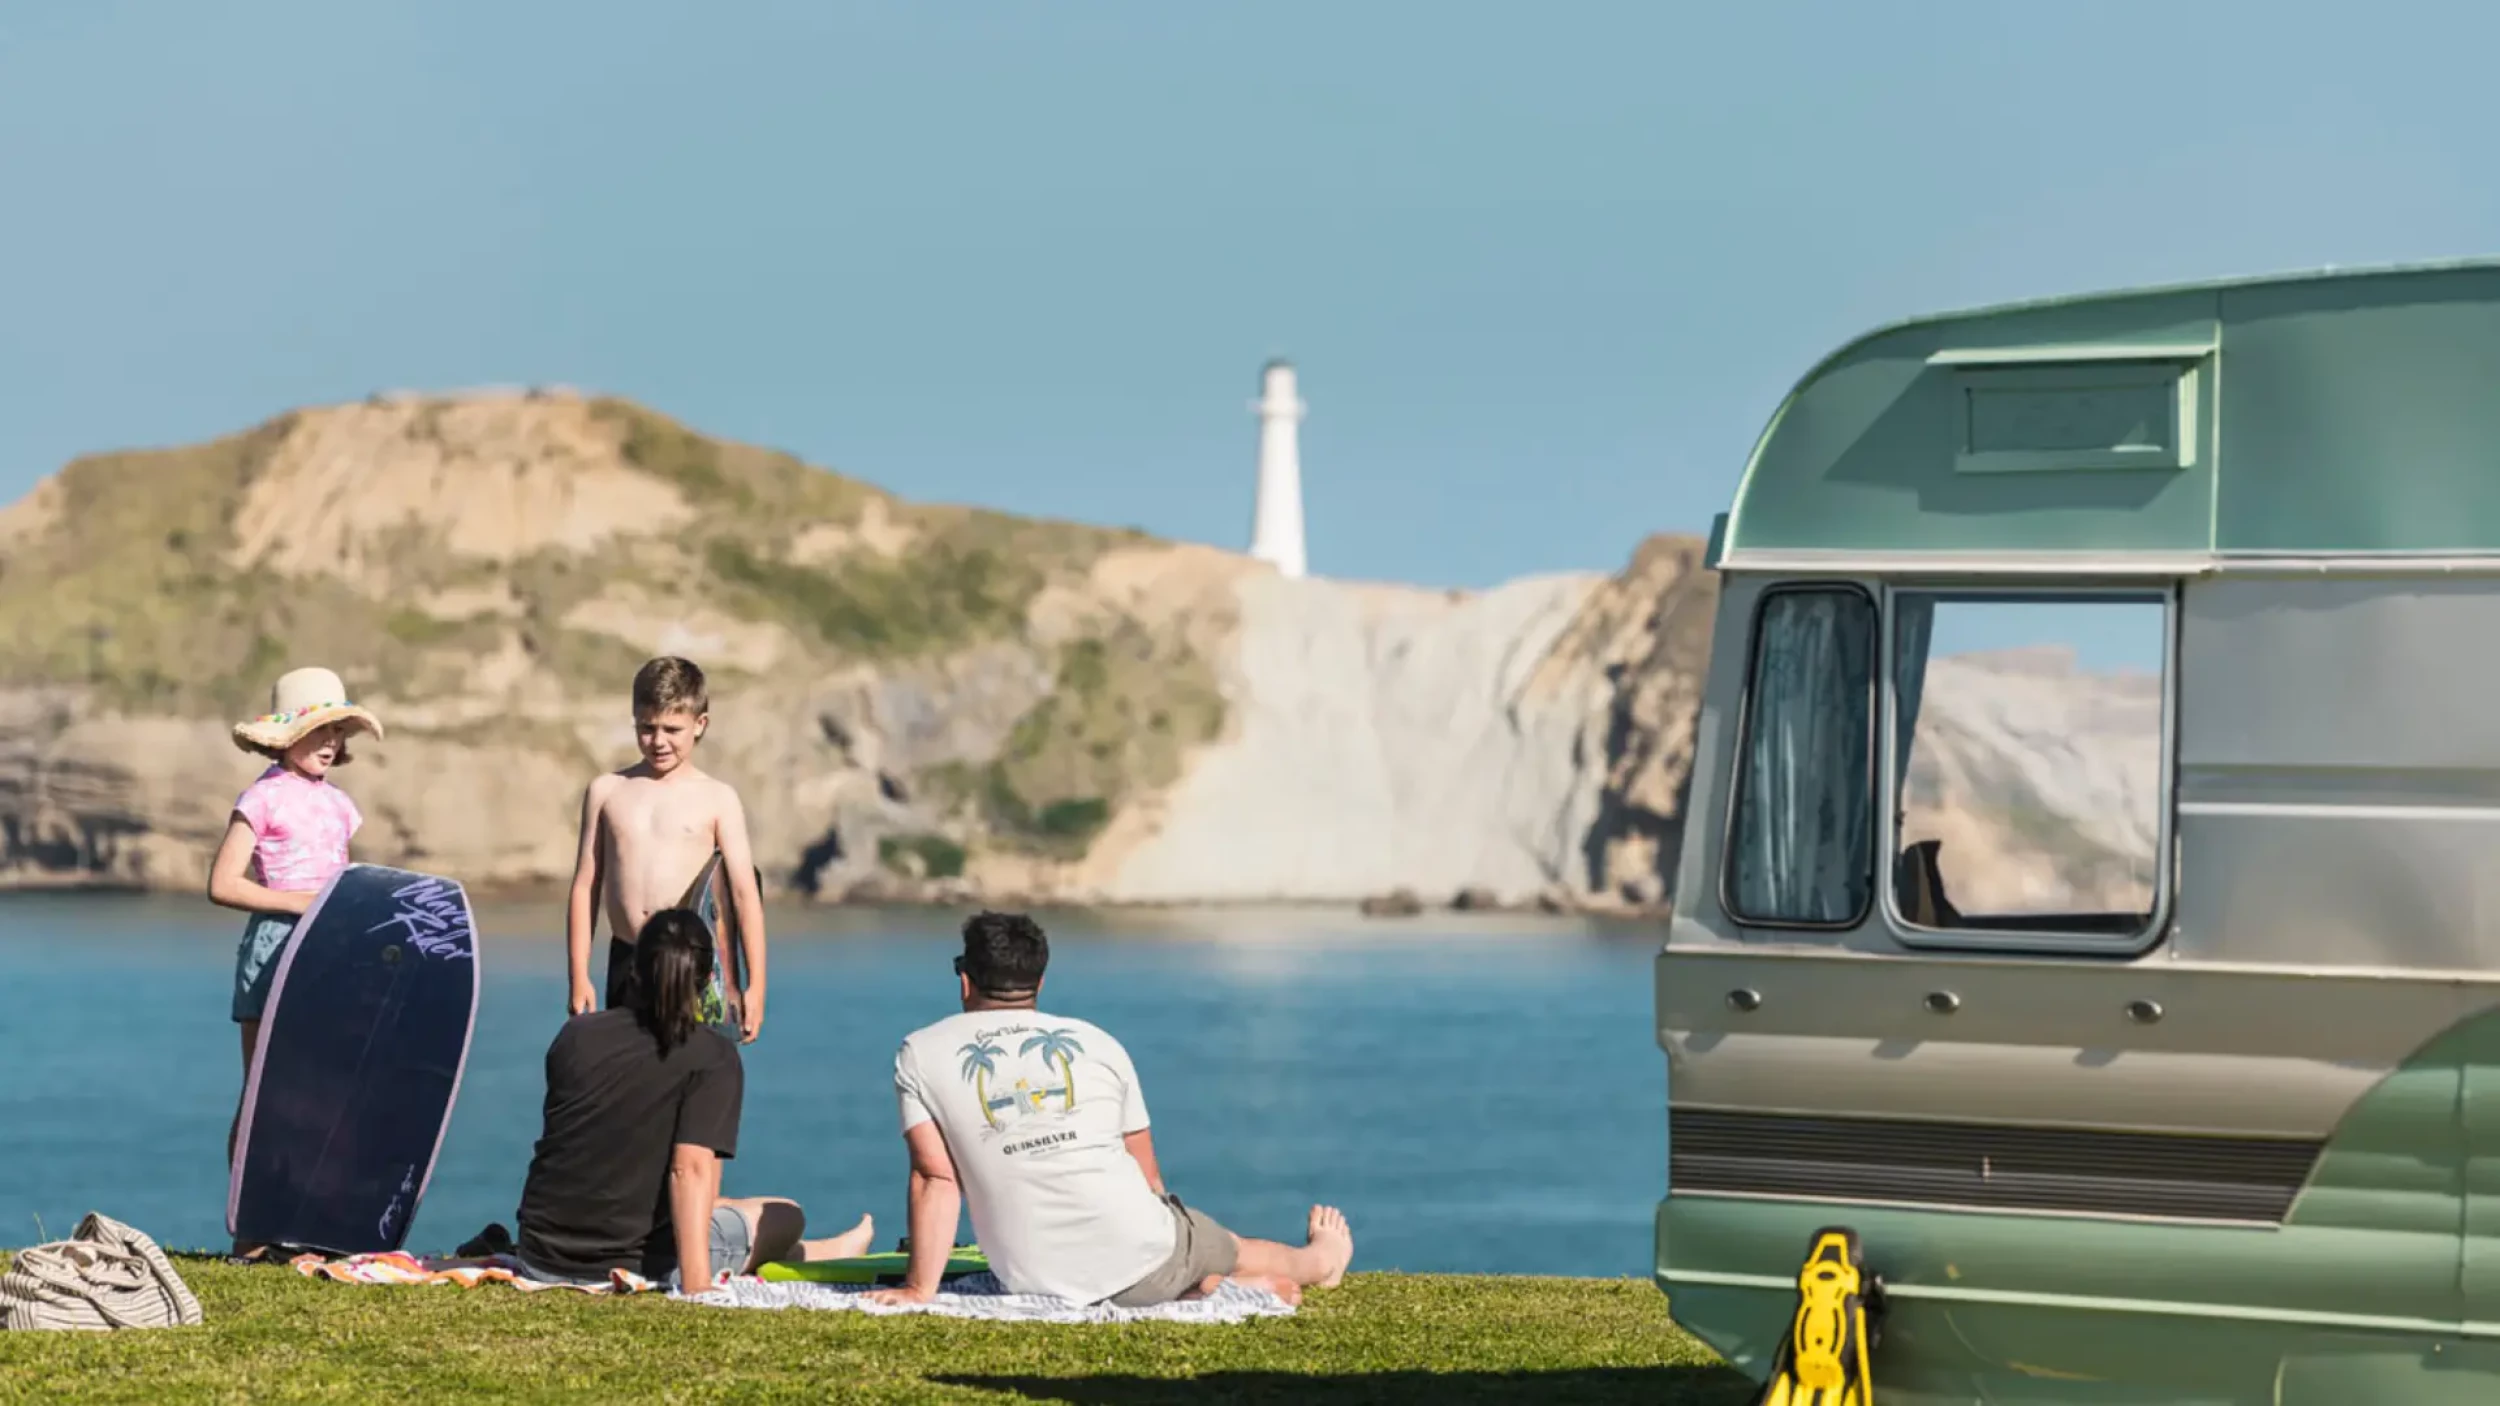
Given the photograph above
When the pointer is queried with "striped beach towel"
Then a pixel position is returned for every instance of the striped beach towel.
(982, 1296)
(972, 1296)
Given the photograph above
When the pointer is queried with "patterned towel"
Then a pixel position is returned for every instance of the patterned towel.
(982, 1296)
(399, 1267)
(973, 1296)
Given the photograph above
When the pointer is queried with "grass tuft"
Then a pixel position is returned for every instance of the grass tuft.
(1125, 710)
(921, 856)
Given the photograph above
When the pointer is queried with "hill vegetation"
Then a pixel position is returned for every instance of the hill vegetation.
(520, 555)
(130, 577)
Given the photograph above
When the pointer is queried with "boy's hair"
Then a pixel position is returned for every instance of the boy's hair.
(1004, 953)
(668, 684)
(672, 967)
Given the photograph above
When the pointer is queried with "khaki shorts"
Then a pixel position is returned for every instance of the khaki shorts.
(1200, 1247)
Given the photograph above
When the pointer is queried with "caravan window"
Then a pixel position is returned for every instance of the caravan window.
(2026, 747)
(1801, 841)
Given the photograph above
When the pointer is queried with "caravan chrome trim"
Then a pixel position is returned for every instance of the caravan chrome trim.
(1987, 565)
(2069, 353)
(2313, 811)
(2160, 1308)
(2131, 565)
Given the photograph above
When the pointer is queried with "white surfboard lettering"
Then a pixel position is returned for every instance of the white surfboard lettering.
(390, 1213)
(431, 917)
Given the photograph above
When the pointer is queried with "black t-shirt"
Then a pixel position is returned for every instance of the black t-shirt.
(597, 1194)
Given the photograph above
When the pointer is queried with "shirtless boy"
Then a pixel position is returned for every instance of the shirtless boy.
(647, 832)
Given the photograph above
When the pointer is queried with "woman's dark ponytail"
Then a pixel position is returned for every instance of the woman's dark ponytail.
(672, 970)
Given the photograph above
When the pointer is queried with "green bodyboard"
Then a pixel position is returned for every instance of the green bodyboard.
(884, 1270)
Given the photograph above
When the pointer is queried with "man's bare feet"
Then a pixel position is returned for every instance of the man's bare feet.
(1331, 1234)
(854, 1241)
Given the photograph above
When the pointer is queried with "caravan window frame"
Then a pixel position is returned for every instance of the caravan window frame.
(1888, 771)
(1742, 755)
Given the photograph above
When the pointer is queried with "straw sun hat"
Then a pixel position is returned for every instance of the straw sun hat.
(302, 700)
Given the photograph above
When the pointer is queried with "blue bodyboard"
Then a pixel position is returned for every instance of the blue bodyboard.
(362, 1046)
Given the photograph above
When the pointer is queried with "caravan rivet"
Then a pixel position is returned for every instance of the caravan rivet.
(2144, 1012)
(1743, 999)
(1943, 1002)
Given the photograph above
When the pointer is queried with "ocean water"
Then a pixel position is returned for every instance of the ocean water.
(1480, 1094)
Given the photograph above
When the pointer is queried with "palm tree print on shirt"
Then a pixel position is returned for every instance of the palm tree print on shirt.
(980, 1062)
(1061, 1046)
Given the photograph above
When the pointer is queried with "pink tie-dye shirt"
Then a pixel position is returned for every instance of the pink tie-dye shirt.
(300, 827)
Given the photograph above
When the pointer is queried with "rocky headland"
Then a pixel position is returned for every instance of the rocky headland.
(916, 700)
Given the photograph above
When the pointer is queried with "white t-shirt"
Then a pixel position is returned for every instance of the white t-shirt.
(1034, 1107)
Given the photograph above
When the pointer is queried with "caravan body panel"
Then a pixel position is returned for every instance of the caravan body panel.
(2234, 1134)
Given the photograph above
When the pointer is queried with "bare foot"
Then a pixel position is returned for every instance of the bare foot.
(854, 1241)
(1331, 1234)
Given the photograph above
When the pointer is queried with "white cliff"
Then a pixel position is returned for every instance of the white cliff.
(1382, 738)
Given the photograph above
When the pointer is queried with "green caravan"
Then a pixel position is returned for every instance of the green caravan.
(2091, 893)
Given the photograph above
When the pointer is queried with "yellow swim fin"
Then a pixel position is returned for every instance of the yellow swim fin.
(1827, 1356)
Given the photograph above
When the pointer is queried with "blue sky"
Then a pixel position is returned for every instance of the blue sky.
(2106, 636)
(1545, 269)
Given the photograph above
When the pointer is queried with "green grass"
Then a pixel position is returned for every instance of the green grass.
(272, 1335)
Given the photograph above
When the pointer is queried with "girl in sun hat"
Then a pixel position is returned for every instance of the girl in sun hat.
(289, 831)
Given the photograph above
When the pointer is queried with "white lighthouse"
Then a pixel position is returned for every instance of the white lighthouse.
(1276, 524)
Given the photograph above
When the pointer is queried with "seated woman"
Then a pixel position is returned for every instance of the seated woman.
(642, 1107)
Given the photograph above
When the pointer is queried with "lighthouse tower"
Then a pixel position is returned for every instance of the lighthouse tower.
(1276, 525)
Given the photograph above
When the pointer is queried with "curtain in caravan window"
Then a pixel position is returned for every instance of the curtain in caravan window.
(1913, 624)
(1802, 850)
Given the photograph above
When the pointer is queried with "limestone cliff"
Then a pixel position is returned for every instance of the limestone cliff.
(906, 694)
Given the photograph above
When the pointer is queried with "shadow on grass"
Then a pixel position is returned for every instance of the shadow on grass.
(1650, 1386)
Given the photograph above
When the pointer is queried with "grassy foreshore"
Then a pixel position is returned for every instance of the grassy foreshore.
(273, 1335)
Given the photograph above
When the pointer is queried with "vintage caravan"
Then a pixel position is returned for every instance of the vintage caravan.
(2090, 893)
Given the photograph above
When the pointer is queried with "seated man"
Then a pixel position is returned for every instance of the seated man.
(642, 1105)
(1037, 1120)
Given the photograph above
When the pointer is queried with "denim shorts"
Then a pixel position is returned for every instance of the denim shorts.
(733, 1239)
(256, 961)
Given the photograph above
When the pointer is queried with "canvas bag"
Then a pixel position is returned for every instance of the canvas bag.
(105, 1276)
